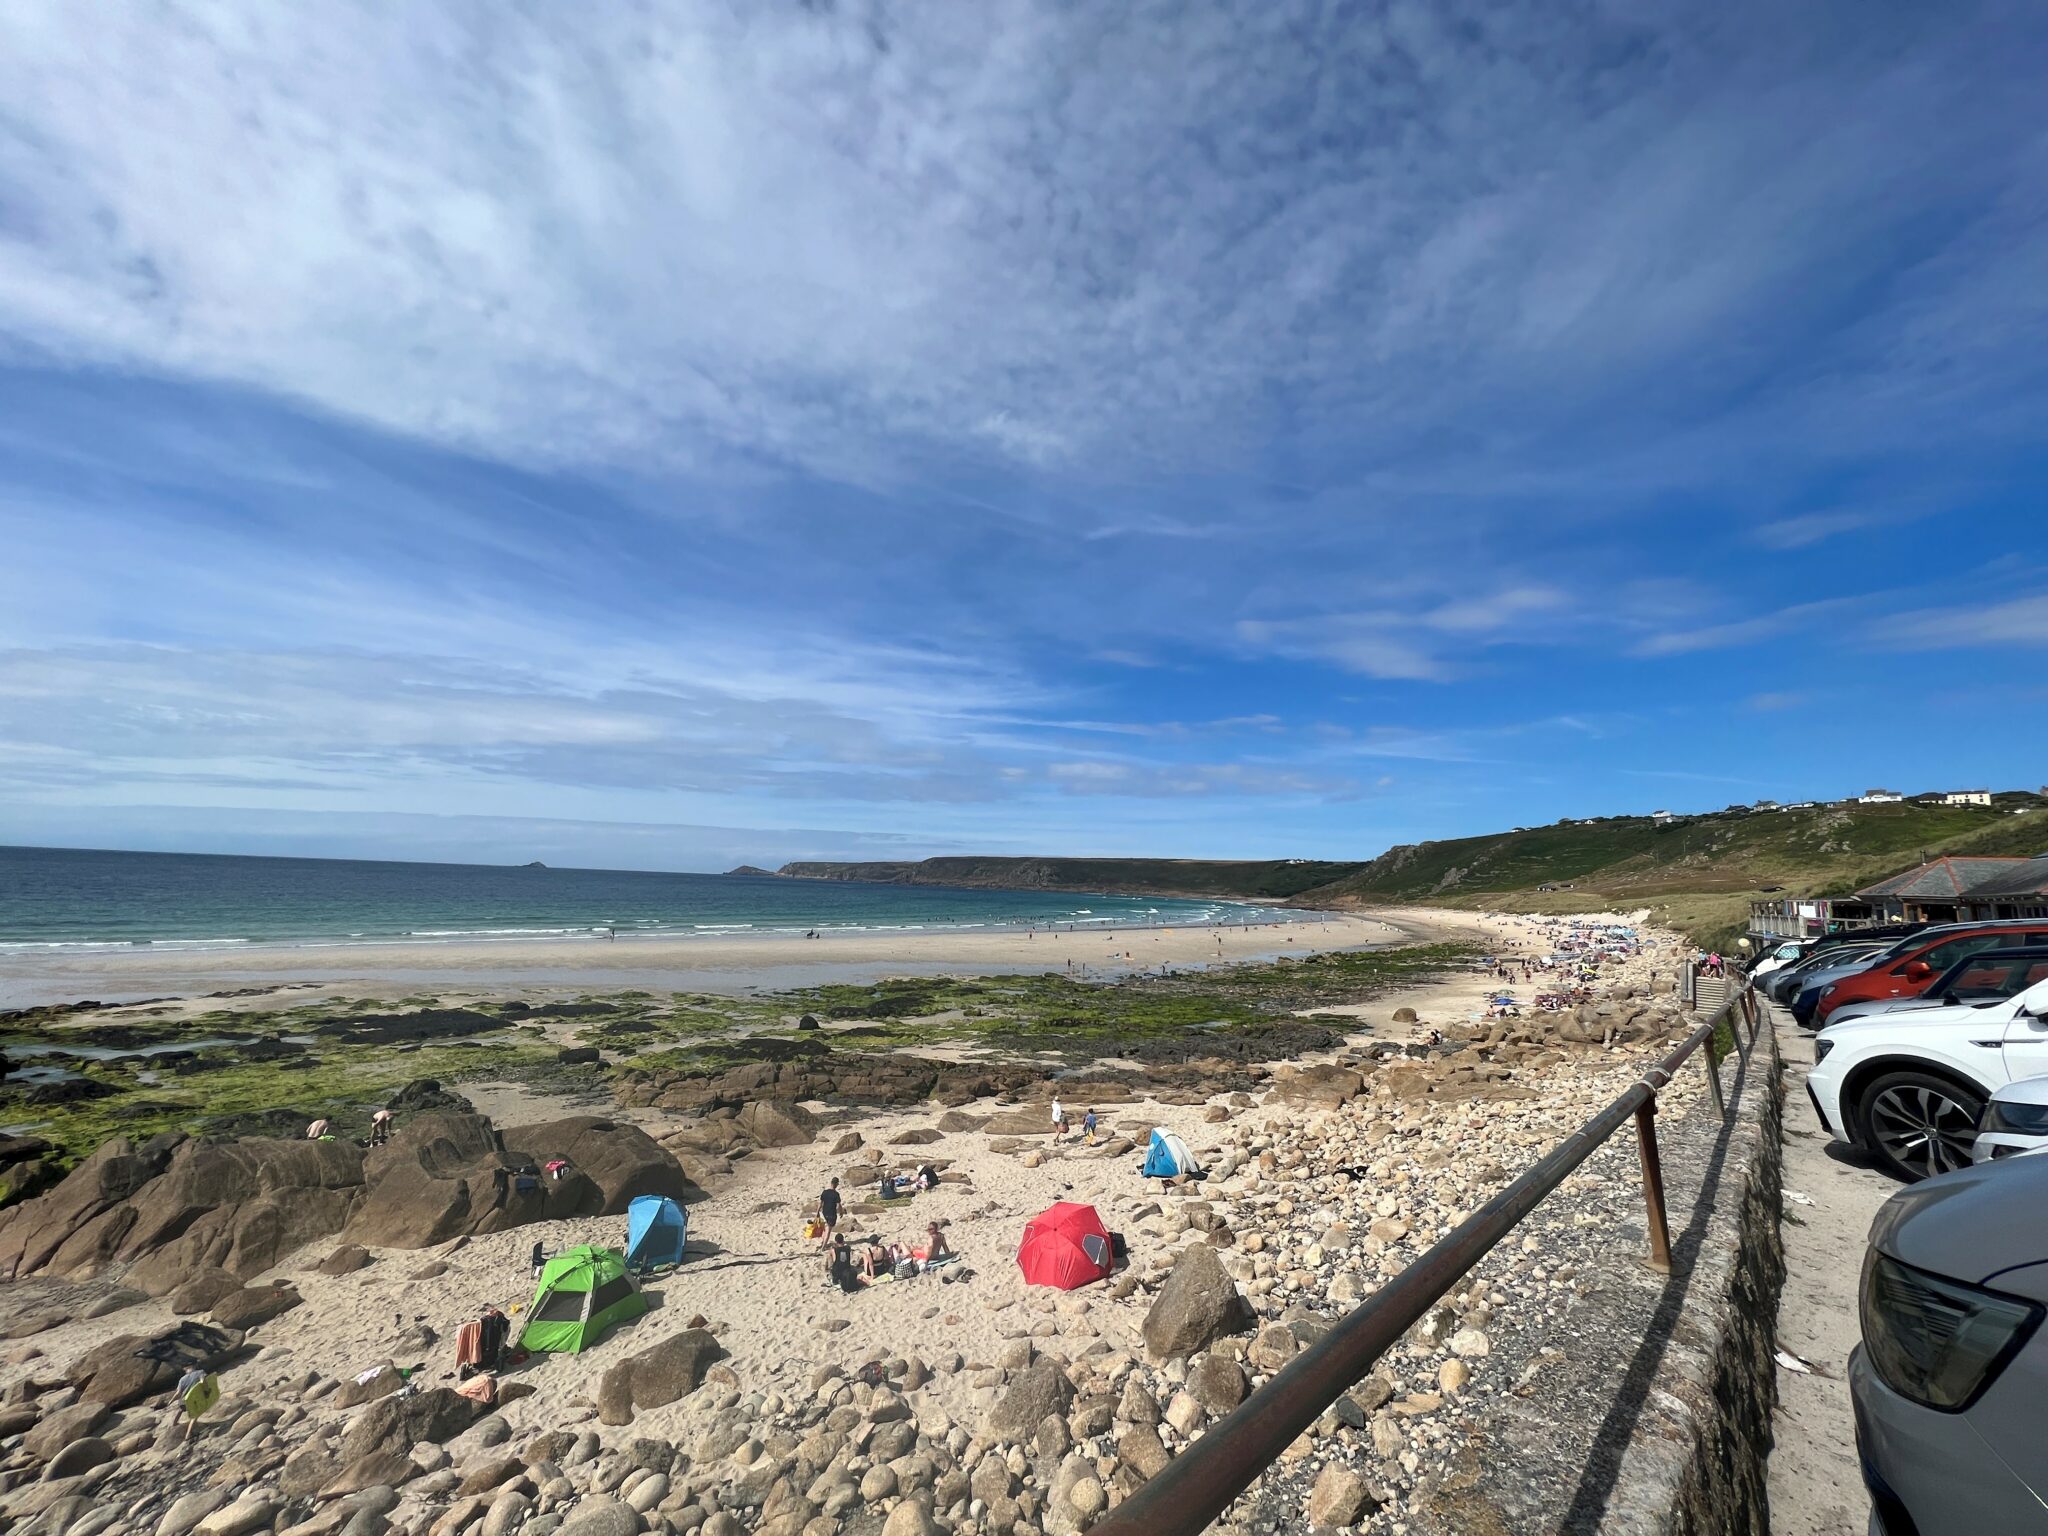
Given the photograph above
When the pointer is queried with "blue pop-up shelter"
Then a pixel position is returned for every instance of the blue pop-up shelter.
(1168, 1157)
(655, 1231)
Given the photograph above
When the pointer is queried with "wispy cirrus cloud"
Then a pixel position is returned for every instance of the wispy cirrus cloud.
(2015, 621)
(697, 411)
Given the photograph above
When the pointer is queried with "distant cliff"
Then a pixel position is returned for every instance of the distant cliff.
(747, 869)
(1236, 879)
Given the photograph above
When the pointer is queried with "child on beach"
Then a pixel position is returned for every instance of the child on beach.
(1088, 1125)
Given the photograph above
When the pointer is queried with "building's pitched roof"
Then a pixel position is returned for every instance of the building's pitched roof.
(1943, 880)
(2028, 877)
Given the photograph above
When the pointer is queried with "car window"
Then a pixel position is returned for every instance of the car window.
(1981, 976)
(1942, 956)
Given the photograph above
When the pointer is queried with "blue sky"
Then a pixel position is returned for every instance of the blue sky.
(677, 434)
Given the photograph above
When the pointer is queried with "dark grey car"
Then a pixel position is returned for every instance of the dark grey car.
(1951, 1380)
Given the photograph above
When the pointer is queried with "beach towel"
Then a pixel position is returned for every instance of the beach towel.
(469, 1344)
(480, 1389)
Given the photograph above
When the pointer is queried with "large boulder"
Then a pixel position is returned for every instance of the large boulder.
(74, 1229)
(1038, 1392)
(386, 1430)
(174, 1209)
(778, 1123)
(59, 1428)
(1198, 1304)
(449, 1175)
(1322, 1086)
(245, 1308)
(425, 1096)
(622, 1160)
(130, 1367)
(672, 1369)
(239, 1207)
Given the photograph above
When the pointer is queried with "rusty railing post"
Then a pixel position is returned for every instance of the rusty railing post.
(1714, 1075)
(1653, 1186)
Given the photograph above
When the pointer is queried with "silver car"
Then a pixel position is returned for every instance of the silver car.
(1986, 977)
(1950, 1383)
(2015, 1119)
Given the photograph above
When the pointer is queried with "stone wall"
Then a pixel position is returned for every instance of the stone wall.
(1644, 1408)
(1696, 1464)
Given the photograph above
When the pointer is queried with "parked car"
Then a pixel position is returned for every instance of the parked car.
(1911, 969)
(1981, 978)
(1777, 956)
(1805, 988)
(1803, 995)
(2014, 1121)
(1908, 1088)
(1950, 1383)
(1783, 985)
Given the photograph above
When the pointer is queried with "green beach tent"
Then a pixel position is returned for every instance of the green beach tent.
(583, 1293)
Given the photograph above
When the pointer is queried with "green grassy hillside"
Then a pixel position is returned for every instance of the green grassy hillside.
(1698, 872)
(1241, 879)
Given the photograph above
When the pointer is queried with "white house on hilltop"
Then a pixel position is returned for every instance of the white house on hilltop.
(1966, 797)
(1879, 797)
(1661, 817)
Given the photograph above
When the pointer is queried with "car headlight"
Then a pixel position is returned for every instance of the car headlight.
(2027, 1119)
(1821, 1047)
(1938, 1342)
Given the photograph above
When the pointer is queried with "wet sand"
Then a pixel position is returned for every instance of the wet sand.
(711, 963)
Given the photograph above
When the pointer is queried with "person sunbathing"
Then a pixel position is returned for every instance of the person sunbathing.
(935, 1245)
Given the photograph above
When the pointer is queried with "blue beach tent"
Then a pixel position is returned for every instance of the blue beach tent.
(1169, 1157)
(655, 1230)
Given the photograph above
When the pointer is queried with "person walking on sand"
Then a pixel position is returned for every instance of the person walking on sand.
(1059, 1118)
(1088, 1125)
(828, 1209)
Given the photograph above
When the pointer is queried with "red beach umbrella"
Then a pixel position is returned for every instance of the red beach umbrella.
(1066, 1246)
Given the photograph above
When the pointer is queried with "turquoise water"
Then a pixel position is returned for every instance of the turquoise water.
(67, 899)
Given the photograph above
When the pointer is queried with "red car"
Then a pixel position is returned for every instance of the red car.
(1910, 974)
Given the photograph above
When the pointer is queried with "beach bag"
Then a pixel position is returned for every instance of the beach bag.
(906, 1269)
(814, 1228)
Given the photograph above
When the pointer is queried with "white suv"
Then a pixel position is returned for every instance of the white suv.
(1908, 1088)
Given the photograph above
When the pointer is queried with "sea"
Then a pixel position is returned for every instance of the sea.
(63, 899)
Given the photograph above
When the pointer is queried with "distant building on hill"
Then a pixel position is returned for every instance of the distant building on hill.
(1769, 805)
(1879, 797)
(1662, 817)
(1966, 797)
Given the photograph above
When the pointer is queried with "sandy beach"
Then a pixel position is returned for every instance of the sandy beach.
(710, 963)
(761, 1288)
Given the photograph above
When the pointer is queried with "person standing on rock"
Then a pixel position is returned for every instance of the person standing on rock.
(828, 1210)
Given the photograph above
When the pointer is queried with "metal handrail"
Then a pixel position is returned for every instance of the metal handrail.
(1199, 1484)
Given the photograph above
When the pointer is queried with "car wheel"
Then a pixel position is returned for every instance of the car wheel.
(1918, 1125)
